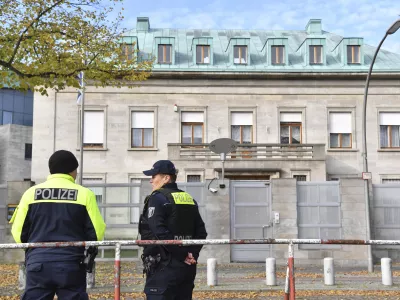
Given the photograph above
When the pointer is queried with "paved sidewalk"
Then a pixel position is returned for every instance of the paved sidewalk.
(240, 281)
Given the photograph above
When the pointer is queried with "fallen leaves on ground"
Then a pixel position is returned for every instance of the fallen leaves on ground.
(283, 275)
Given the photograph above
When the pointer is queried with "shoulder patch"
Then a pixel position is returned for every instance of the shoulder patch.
(151, 211)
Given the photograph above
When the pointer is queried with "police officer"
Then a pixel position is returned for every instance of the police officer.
(57, 210)
(168, 214)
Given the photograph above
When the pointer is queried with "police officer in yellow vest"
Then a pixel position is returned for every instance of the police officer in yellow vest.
(57, 210)
(169, 214)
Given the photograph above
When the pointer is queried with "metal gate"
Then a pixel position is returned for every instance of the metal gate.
(250, 219)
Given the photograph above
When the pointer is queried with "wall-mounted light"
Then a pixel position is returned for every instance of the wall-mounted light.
(175, 108)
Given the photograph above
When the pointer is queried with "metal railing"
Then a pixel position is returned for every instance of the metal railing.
(290, 291)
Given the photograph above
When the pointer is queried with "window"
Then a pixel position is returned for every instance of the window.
(290, 126)
(315, 54)
(28, 151)
(277, 55)
(192, 127)
(142, 135)
(93, 136)
(193, 178)
(203, 54)
(98, 191)
(340, 130)
(242, 127)
(7, 117)
(300, 177)
(353, 54)
(135, 199)
(164, 54)
(127, 51)
(240, 54)
(390, 129)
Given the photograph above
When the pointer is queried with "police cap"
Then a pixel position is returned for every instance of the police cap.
(161, 167)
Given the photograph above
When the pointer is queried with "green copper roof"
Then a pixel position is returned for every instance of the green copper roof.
(258, 42)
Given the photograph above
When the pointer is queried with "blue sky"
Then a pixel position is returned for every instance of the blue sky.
(360, 18)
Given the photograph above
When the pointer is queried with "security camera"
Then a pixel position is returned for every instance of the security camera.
(213, 190)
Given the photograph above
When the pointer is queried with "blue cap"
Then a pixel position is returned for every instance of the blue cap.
(161, 167)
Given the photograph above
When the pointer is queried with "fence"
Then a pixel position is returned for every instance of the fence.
(290, 290)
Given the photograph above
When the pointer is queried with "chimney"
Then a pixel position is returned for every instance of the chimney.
(314, 26)
(143, 24)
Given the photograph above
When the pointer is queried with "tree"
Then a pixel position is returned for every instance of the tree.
(47, 43)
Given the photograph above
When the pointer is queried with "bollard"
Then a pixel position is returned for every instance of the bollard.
(22, 276)
(329, 271)
(270, 271)
(91, 278)
(386, 268)
(212, 279)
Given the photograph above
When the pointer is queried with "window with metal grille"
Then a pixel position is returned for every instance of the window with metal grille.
(315, 55)
(300, 177)
(193, 178)
(318, 212)
(391, 180)
(353, 54)
(278, 55)
(164, 54)
(240, 54)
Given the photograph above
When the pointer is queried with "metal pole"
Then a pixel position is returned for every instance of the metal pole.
(286, 297)
(365, 160)
(292, 289)
(117, 272)
(82, 128)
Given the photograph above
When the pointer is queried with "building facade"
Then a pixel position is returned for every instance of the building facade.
(291, 99)
(16, 120)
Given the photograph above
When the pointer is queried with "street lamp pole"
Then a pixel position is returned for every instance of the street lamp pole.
(395, 26)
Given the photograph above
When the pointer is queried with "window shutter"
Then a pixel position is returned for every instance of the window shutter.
(291, 117)
(389, 118)
(340, 122)
(142, 119)
(94, 127)
(242, 118)
(192, 117)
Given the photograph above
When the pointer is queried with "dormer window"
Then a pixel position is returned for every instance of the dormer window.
(240, 54)
(127, 51)
(203, 54)
(278, 55)
(353, 54)
(164, 54)
(315, 55)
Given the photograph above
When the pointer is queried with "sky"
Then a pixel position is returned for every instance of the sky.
(351, 18)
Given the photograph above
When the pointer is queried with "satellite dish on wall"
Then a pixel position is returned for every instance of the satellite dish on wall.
(223, 146)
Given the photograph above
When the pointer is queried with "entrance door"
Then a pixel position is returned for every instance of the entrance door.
(250, 219)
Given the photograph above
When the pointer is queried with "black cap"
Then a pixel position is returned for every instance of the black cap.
(62, 162)
(161, 167)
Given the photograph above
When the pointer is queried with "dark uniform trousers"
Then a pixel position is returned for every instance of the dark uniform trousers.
(175, 281)
(66, 279)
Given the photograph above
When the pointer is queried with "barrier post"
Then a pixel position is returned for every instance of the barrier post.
(292, 291)
(117, 272)
(287, 283)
